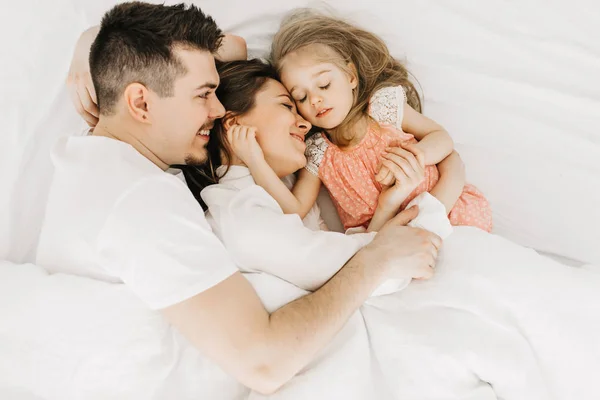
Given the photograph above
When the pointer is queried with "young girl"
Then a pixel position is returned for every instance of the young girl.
(347, 85)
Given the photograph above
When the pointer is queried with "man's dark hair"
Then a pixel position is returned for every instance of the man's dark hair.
(135, 44)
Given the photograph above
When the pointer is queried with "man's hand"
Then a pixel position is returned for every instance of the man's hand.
(407, 252)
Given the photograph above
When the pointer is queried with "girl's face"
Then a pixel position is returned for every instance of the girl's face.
(280, 130)
(321, 90)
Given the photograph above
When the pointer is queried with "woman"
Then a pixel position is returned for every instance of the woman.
(496, 320)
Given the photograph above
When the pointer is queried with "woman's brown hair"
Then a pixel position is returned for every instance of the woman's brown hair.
(241, 81)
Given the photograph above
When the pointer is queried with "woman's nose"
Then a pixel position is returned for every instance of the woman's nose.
(303, 124)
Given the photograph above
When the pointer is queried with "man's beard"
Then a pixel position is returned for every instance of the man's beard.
(195, 161)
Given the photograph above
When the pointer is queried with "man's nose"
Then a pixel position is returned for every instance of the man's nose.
(217, 110)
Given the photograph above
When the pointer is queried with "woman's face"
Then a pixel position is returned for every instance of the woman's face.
(280, 130)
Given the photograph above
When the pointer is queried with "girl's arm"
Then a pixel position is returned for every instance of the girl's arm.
(435, 143)
(297, 201)
(452, 181)
(304, 194)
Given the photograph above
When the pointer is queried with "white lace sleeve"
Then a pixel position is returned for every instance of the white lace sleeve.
(387, 106)
(316, 146)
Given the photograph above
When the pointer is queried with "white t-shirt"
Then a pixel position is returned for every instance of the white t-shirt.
(113, 215)
(261, 238)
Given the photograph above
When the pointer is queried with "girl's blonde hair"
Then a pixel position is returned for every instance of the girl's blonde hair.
(340, 43)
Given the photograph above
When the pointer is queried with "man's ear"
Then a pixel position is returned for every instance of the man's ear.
(136, 98)
(353, 75)
(229, 119)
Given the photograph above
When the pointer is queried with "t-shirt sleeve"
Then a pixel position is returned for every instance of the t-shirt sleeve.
(387, 106)
(157, 240)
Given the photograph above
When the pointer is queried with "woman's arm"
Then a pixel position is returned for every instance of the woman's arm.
(435, 143)
(452, 181)
(232, 48)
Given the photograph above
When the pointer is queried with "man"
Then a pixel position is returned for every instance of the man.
(114, 214)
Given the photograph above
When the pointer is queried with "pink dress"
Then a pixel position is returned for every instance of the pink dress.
(349, 175)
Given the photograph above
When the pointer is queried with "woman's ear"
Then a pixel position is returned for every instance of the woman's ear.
(229, 119)
(353, 75)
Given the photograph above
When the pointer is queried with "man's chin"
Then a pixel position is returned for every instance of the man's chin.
(195, 160)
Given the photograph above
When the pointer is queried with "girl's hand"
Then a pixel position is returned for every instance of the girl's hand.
(407, 166)
(243, 143)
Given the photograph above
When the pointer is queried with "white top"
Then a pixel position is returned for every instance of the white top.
(251, 225)
(113, 215)
(386, 107)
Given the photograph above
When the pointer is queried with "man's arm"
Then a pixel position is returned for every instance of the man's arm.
(229, 324)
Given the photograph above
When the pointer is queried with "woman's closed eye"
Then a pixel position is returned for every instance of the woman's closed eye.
(290, 106)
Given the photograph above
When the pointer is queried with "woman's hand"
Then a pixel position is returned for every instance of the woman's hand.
(79, 80)
(243, 143)
(406, 165)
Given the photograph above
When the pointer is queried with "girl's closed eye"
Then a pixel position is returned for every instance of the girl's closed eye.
(325, 87)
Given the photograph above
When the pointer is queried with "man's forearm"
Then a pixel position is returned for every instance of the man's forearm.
(299, 330)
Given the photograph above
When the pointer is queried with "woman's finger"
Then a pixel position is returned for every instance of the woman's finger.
(87, 117)
(86, 100)
(91, 89)
(383, 174)
(396, 171)
(402, 163)
(417, 152)
(408, 156)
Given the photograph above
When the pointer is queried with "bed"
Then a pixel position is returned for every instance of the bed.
(515, 84)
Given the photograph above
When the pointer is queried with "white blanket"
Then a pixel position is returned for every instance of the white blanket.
(494, 312)
(497, 319)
